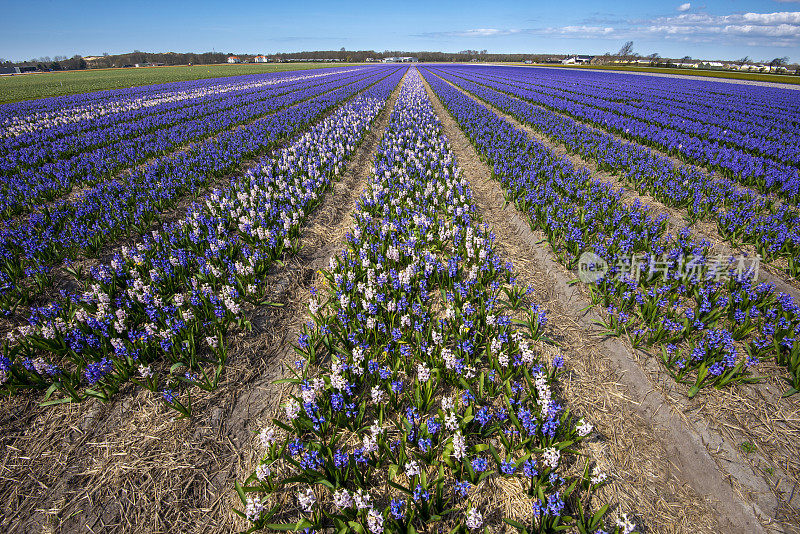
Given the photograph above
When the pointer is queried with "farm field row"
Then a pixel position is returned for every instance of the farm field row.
(60, 84)
(445, 370)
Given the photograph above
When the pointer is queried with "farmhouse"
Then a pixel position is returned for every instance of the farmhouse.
(577, 60)
(234, 59)
(261, 59)
(404, 59)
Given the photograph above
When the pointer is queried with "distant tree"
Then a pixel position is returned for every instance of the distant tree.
(741, 61)
(654, 58)
(626, 50)
(76, 62)
(778, 62)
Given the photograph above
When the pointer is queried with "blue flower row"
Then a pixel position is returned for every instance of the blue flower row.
(31, 179)
(128, 105)
(666, 105)
(762, 173)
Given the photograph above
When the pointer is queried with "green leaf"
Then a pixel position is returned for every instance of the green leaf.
(356, 527)
(303, 523)
(517, 525)
(240, 491)
(393, 471)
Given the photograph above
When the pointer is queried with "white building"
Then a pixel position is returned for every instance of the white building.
(234, 59)
(577, 60)
(261, 59)
(404, 59)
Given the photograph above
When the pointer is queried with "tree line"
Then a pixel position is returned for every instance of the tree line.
(138, 57)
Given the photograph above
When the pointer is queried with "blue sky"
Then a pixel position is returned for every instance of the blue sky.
(705, 29)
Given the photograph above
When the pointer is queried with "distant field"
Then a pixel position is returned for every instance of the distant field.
(774, 78)
(30, 86)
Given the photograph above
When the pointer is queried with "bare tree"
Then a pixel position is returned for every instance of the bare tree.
(742, 61)
(626, 50)
(654, 58)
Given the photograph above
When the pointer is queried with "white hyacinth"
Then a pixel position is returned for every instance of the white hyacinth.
(412, 468)
(459, 446)
(375, 522)
(551, 456)
(584, 428)
(474, 519)
(262, 472)
(253, 509)
(267, 436)
(626, 525)
(306, 499)
(292, 409)
(598, 477)
(362, 499)
(423, 372)
(342, 499)
(377, 395)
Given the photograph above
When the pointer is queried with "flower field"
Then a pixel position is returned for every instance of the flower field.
(422, 363)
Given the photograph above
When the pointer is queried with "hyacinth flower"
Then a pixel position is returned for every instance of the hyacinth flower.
(658, 290)
(118, 207)
(143, 114)
(415, 382)
(171, 298)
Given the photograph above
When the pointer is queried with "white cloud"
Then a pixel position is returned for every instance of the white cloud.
(685, 7)
(783, 24)
(593, 31)
(475, 32)
(781, 29)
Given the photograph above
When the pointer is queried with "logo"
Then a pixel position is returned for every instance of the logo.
(591, 267)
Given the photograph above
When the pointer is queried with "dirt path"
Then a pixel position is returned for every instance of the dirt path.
(675, 481)
(128, 465)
